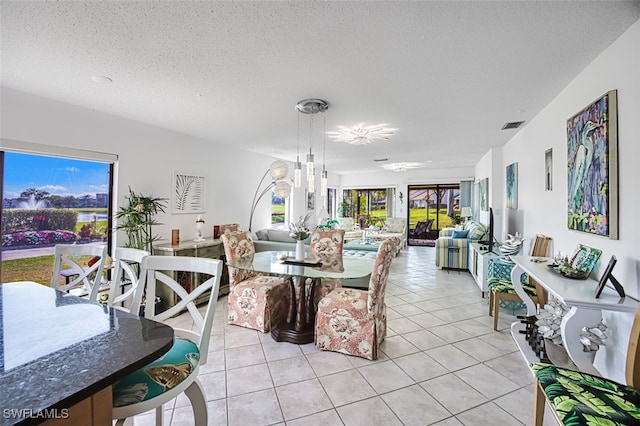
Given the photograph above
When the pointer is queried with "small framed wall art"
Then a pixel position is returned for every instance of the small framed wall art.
(188, 194)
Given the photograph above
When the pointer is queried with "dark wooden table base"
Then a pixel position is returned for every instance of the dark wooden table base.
(299, 325)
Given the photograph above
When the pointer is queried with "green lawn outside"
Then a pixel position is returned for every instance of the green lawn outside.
(417, 214)
(38, 269)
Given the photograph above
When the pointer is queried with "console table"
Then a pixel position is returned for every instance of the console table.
(579, 295)
(209, 248)
(479, 264)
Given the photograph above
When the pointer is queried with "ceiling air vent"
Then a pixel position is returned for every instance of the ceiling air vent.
(512, 125)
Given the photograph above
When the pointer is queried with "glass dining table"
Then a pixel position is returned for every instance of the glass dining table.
(299, 326)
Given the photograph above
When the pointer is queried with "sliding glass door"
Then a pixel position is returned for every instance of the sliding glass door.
(436, 205)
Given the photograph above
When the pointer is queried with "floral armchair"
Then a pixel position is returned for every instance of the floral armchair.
(256, 300)
(354, 322)
(395, 227)
(452, 246)
(350, 231)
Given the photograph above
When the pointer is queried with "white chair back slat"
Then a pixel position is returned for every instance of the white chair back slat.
(155, 272)
(89, 277)
(126, 266)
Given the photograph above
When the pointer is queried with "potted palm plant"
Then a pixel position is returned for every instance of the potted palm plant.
(138, 219)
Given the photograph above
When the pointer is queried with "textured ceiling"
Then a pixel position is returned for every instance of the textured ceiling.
(448, 75)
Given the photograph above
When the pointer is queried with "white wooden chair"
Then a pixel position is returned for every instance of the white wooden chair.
(126, 268)
(66, 264)
(177, 371)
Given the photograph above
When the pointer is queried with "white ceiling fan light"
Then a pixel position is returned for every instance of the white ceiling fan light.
(362, 134)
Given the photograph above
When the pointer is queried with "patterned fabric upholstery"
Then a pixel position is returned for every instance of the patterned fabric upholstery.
(422, 229)
(256, 301)
(327, 246)
(346, 224)
(159, 376)
(228, 227)
(395, 224)
(354, 322)
(582, 399)
(454, 252)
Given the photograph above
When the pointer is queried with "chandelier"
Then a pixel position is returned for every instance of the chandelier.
(361, 134)
(310, 107)
(401, 167)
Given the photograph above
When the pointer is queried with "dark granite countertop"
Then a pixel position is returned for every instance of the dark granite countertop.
(57, 349)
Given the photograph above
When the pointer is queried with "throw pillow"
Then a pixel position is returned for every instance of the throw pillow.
(460, 234)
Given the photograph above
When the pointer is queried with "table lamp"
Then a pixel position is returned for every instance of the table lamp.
(465, 213)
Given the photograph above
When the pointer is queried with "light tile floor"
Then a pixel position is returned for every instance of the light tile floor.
(441, 363)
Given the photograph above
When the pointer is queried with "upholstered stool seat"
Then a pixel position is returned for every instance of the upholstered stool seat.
(158, 377)
(582, 399)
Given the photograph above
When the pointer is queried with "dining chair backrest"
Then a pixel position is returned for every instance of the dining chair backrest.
(539, 246)
(379, 275)
(126, 272)
(326, 242)
(238, 245)
(67, 264)
(161, 270)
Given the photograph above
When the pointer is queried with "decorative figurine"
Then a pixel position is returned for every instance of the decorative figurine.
(199, 223)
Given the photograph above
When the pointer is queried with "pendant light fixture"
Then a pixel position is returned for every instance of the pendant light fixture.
(323, 177)
(297, 171)
(311, 107)
(311, 184)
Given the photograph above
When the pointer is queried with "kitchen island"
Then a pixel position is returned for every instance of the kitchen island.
(60, 354)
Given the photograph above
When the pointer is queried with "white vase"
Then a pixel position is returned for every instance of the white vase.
(299, 250)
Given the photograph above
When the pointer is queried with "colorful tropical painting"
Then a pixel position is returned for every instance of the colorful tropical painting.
(512, 186)
(592, 201)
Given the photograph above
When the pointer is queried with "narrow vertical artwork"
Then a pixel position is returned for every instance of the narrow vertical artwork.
(548, 170)
(592, 168)
(512, 186)
(484, 194)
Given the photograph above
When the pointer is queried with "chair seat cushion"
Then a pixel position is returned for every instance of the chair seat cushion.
(159, 376)
(259, 283)
(345, 302)
(501, 285)
(580, 398)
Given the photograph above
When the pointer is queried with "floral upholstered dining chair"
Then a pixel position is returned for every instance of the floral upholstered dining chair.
(256, 301)
(327, 245)
(354, 322)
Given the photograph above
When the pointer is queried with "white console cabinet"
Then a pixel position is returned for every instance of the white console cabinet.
(479, 264)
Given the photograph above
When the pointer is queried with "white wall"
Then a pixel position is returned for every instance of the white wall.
(545, 212)
(148, 156)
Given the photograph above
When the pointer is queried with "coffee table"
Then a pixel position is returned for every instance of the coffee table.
(367, 244)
